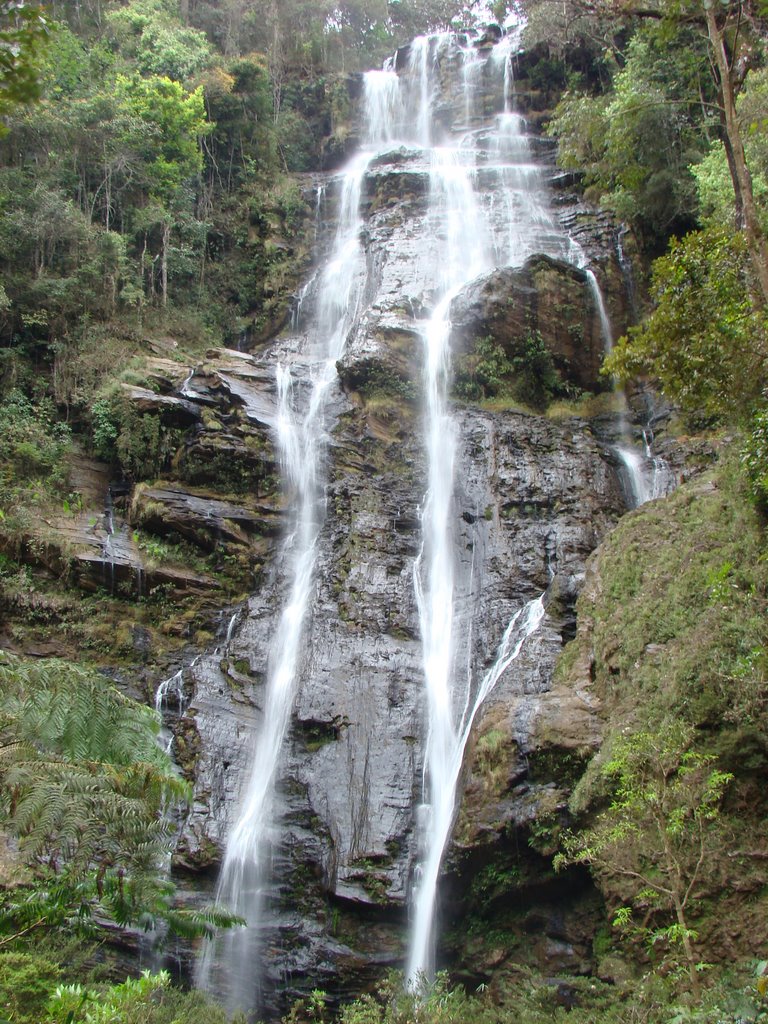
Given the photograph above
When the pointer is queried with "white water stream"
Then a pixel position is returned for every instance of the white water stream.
(519, 223)
(647, 476)
(229, 964)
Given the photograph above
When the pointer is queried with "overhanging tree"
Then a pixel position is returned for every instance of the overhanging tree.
(732, 34)
(23, 29)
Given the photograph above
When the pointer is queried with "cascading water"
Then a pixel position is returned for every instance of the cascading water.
(647, 476)
(466, 251)
(446, 763)
(644, 475)
(229, 963)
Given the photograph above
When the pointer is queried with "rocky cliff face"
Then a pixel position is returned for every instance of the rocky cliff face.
(534, 495)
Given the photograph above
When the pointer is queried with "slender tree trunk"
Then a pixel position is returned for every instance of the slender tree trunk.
(693, 974)
(164, 261)
(737, 162)
(738, 201)
(676, 891)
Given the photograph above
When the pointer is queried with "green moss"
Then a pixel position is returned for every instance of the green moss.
(561, 765)
(679, 619)
(317, 734)
(27, 980)
(372, 378)
(677, 634)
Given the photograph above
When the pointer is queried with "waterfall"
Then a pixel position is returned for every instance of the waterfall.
(455, 217)
(487, 206)
(440, 814)
(647, 476)
(605, 321)
(433, 572)
(170, 691)
(644, 475)
(383, 105)
(229, 963)
(418, 69)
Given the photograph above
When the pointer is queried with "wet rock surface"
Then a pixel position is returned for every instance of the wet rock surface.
(534, 498)
(545, 297)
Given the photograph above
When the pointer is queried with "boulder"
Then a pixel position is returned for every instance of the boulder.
(177, 412)
(545, 296)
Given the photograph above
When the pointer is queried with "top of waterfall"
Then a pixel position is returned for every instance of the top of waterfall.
(400, 99)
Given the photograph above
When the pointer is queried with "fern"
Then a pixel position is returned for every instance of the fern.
(83, 786)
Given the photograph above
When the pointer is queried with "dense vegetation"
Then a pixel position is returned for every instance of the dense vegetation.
(152, 204)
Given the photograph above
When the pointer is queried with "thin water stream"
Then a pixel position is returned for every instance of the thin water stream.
(229, 963)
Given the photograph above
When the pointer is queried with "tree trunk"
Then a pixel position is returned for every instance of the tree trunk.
(738, 202)
(693, 974)
(164, 261)
(737, 162)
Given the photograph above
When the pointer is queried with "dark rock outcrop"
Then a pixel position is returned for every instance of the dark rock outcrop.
(205, 520)
(545, 297)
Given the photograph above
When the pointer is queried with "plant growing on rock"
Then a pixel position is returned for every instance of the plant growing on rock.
(652, 847)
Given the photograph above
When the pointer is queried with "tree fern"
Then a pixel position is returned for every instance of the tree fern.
(83, 786)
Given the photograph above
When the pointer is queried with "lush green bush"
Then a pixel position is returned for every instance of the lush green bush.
(32, 442)
(657, 93)
(704, 340)
(140, 443)
(83, 788)
(149, 999)
(524, 372)
(755, 458)
(33, 990)
(522, 998)
(26, 982)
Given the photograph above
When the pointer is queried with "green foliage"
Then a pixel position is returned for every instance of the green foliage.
(658, 839)
(140, 443)
(713, 179)
(659, 568)
(33, 465)
(23, 30)
(703, 341)
(536, 379)
(32, 443)
(150, 31)
(614, 138)
(148, 999)
(678, 645)
(521, 998)
(34, 990)
(490, 370)
(754, 458)
(83, 786)
(525, 372)
(174, 121)
(104, 430)
(26, 981)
